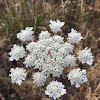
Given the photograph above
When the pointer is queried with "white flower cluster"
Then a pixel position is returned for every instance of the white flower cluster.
(17, 75)
(56, 25)
(50, 55)
(58, 39)
(29, 60)
(44, 35)
(16, 53)
(30, 47)
(55, 89)
(39, 78)
(26, 35)
(74, 36)
(71, 60)
(85, 56)
(77, 77)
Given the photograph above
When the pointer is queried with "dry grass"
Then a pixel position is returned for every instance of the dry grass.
(83, 15)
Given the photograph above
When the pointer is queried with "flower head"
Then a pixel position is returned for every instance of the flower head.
(74, 36)
(16, 52)
(17, 75)
(29, 60)
(77, 77)
(39, 78)
(26, 35)
(44, 35)
(85, 56)
(70, 60)
(58, 39)
(30, 47)
(66, 48)
(56, 25)
(55, 89)
(49, 55)
(57, 71)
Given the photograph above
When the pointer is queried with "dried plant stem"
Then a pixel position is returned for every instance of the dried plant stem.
(30, 70)
(82, 9)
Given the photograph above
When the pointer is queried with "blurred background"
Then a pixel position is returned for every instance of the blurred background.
(15, 15)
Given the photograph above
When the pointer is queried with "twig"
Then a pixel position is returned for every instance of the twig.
(30, 70)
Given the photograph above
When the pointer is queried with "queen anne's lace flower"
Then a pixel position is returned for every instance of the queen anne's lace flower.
(44, 35)
(77, 77)
(39, 78)
(49, 55)
(17, 75)
(16, 52)
(85, 56)
(56, 25)
(55, 89)
(70, 60)
(74, 36)
(26, 35)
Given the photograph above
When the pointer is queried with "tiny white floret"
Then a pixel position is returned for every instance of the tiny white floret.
(58, 39)
(18, 75)
(55, 26)
(30, 47)
(29, 60)
(55, 89)
(26, 35)
(39, 78)
(66, 48)
(44, 35)
(74, 36)
(85, 56)
(16, 52)
(70, 60)
(77, 77)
